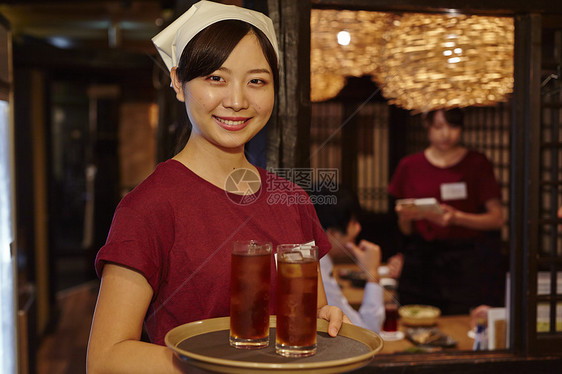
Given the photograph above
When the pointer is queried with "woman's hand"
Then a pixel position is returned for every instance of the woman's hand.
(492, 219)
(335, 318)
(408, 214)
(444, 219)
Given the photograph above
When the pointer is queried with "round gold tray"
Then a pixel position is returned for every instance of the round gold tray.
(204, 344)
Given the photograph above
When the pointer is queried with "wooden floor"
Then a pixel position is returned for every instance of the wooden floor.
(64, 351)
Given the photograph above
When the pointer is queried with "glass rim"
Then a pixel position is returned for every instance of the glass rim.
(293, 246)
(308, 252)
(287, 247)
(246, 246)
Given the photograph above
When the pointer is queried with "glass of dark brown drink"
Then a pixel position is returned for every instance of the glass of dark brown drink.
(297, 294)
(391, 317)
(250, 281)
(390, 331)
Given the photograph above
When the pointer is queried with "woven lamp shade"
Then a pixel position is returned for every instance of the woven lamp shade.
(442, 61)
(325, 86)
(331, 62)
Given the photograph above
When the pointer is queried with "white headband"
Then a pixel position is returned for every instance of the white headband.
(171, 41)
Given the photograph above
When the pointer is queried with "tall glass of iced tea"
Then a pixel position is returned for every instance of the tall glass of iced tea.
(297, 293)
(250, 281)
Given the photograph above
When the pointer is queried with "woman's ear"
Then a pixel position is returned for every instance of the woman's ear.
(178, 86)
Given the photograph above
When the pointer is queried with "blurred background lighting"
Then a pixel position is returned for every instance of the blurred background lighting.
(344, 38)
(414, 58)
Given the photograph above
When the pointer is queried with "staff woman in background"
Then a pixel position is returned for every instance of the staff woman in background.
(166, 261)
(442, 263)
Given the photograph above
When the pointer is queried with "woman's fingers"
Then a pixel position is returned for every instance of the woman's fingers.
(335, 318)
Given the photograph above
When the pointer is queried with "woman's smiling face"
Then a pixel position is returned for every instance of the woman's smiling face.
(232, 104)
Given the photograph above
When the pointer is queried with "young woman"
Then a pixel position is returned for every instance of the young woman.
(167, 257)
(446, 251)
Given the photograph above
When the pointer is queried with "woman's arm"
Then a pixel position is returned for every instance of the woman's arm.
(330, 313)
(406, 216)
(492, 219)
(114, 345)
(405, 225)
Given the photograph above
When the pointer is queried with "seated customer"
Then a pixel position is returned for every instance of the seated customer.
(340, 220)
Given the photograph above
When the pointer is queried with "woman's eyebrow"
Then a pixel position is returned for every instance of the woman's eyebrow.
(258, 71)
(251, 71)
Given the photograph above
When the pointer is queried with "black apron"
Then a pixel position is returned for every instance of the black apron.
(453, 275)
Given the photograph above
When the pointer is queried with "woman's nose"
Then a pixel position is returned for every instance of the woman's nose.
(236, 98)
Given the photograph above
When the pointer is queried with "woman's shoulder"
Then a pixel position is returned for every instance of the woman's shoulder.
(159, 185)
(476, 157)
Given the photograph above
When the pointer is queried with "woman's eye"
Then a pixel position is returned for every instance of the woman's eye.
(257, 81)
(214, 78)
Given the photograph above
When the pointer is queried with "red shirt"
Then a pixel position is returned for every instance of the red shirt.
(176, 229)
(416, 177)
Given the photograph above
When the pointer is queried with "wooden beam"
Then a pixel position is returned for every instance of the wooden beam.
(289, 134)
(524, 175)
(33, 53)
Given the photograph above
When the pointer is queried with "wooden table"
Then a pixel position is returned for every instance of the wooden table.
(456, 326)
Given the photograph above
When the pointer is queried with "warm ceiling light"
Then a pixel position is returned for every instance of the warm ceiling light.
(347, 52)
(344, 38)
(420, 61)
(325, 86)
(439, 61)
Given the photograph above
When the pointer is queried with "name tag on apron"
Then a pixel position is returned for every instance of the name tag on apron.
(453, 191)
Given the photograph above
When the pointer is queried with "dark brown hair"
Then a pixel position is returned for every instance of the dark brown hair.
(455, 117)
(210, 48)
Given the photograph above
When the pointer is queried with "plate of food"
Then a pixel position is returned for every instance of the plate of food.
(419, 315)
(429, 336)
